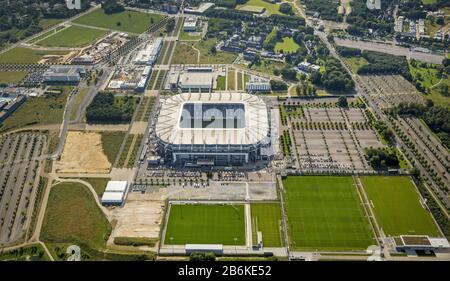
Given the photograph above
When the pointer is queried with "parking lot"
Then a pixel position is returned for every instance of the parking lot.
(389, 90)
(329, 138)
(20, 156)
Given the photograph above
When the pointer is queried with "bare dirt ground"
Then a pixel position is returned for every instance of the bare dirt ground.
(83, 154)
(140, 217)
(138, 127)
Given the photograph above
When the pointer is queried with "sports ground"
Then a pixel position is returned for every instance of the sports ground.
(266, 217)
(325, 213)
(397, 207)
(205, 224)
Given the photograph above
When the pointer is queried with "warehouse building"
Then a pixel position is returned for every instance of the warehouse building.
(114, 194)
(63, 74)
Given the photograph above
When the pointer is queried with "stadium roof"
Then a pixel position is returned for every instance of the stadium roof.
(256, 121)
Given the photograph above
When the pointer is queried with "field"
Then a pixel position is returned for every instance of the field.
(99, 184)
(221, 82)
(288, 45)
(270, 8)
(127, 21)
(186, 53)
(47, 23)
(74, 36)
(111, 142)
(72, 216)
(355, 63)
(324, 213)
(397, 207)
(38, 111)
(12, 76)
(83, 153)
(190, 36)
(267, 219)
(26, 56)
(266, 66)
(206, 224)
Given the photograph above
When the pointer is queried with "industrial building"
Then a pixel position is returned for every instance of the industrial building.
(190, 24)
(63, 74)
(114, 193)
(212, 129)
(149, 54)
(9, 104)
(193, 79)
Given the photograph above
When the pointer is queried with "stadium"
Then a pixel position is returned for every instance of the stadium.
(218, 129)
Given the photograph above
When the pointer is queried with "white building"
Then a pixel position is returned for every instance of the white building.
(62, 74)
(190, 24)
(149, 54)
(114, 193)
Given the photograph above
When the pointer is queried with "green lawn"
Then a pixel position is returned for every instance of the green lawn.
(127, 21)
(33, 252)
(267, 219)
(184, 54)
(206, 224)
(48, 109)
(99, 184)
(190, 36)
(355, 63)
(25, 55)
(270, 8)
(397, 207)
(72, 216)
(288, 45)
(267, 66)
(73, 36)
(47, 23)
(12, 76)
(111, 142)
(231, 79)
(221, 83)
(325, 213)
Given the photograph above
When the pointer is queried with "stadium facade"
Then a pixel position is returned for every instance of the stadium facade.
(213, 129)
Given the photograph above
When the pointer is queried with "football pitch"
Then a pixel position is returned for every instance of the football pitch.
(205, 224)
(397, 207)
(266, 217)
(325, 213)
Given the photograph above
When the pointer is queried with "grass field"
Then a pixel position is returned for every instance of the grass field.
(111, 142)
(47, 23)
(99, 184)
(186, 53)
(266, 66)
(25, 55)
(12, 76)
(72, 216)
(48, 109)
(267, 219)
(397, 207)
(127, 21)
(189, 36)
(206, 224)
(288, 45)
(355, 63)
(77, 102)
(270, 8)
(221, 80)
(325, 213)
(74, 36)
(231, 83)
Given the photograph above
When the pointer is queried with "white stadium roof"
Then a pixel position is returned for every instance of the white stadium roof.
(256, 120)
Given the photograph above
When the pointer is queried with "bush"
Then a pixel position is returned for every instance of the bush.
(135, 241)
(276, 85)
(209, 256)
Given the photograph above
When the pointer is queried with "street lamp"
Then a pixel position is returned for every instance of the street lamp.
(171, 239)
(235, 248)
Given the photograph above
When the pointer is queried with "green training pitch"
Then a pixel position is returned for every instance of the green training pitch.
(397, 207)
(324, 213)
(74, 36)
(206, 224)
(127, 21)
(266, 217)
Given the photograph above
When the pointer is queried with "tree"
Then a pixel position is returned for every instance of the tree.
(213, 50)
(170, 25)
(342, 101)
(286, 9)
(209, 256)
